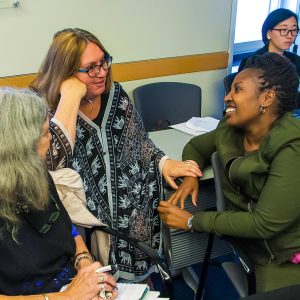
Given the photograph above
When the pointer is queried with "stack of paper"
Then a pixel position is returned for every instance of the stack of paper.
(202, 124)
(135, 291)
(196, 126)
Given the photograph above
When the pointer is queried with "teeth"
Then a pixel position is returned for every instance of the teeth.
(230, 109)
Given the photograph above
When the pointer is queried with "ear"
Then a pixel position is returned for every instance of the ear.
(268, 98)
(268, 34)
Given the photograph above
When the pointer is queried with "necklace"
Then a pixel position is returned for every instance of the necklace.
(89, 103)
(88, 107)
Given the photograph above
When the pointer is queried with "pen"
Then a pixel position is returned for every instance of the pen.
(104, 269)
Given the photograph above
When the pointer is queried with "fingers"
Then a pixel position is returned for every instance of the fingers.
(195, 196)
(106, 291)
(174, 197)
(192, 168)
(171, 183)
(107, 280)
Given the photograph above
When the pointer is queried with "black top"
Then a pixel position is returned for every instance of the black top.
(294, 58)
(39, 262)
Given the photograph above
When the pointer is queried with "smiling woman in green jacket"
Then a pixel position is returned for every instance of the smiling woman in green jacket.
(259, 145)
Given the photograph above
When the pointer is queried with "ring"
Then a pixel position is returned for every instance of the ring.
(102, 291)
(101, 278)
(108, 295)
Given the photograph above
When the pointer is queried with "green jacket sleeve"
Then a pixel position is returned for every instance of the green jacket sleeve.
(277, 208)
(200, 149)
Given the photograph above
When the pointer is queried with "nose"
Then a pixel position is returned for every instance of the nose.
(101, 72)
(289, 34)
(227, 97)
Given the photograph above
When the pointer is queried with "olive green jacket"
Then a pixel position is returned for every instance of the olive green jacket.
(262, 186)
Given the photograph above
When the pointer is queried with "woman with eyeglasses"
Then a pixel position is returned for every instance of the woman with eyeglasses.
(40, 250)
(279, 32)
(98, 133)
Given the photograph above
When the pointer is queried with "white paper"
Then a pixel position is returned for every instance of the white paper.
(209, 124)
(132, 291)
(202, 124)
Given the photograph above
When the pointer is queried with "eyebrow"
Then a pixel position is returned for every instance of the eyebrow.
(285, 25)
(93, 62)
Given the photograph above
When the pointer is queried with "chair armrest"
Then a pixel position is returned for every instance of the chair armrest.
(152, 253)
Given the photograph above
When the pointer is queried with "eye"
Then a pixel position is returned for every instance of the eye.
(91, 67)
(236, 88)
(284, 31)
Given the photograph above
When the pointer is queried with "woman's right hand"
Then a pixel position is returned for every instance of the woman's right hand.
(72, 88)
(86, 285)
(189, 186)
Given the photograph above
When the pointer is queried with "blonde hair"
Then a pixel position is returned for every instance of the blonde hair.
(23, 178)
(63, 61)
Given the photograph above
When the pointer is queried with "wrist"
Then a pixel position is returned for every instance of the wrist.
(83, 258)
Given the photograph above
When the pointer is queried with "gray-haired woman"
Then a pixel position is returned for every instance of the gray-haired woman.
(40, 249)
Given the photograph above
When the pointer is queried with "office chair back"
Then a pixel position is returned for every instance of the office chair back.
(167, 103)
(241, 275)
(227, 81)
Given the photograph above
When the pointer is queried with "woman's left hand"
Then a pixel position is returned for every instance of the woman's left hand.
(176, 168)
(173, 216)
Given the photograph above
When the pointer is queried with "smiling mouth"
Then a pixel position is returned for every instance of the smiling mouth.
(230, 109)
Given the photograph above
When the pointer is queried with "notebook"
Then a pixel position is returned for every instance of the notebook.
(135, 291)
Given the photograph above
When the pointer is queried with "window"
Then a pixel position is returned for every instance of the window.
(249, 19)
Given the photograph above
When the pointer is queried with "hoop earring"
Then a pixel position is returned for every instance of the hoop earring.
(262, 109)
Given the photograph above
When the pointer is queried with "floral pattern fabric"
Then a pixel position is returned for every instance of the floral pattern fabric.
(118, 164)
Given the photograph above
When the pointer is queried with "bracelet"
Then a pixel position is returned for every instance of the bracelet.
(81, 256)
(46, 297)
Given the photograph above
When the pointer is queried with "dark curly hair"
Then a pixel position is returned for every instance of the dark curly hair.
(277, 74)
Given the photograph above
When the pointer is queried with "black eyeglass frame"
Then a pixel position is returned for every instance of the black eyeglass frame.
(287, 30)
(107, 60)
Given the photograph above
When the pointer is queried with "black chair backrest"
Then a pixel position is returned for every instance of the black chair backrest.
(227, 81)
(167, 103)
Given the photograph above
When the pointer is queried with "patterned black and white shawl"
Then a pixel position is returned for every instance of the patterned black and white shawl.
(118, 164)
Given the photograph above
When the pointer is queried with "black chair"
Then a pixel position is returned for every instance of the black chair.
(242, 274)
(227, 81)
(163, 104)
(157, 260)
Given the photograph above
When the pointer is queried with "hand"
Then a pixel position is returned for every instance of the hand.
(87, 283)
(189, 186)
(108, 289)
(173, 216)
(175, 168)
(72, 88)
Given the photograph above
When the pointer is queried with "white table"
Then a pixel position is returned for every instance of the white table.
(172, 142)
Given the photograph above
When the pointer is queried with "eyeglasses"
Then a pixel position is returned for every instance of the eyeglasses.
(285, 32)
(93, 71)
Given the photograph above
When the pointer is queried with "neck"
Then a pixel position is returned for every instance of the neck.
(90, 106)
(274, 49)
(255, 134)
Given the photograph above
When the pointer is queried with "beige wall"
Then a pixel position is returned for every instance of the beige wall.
(131, 30)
